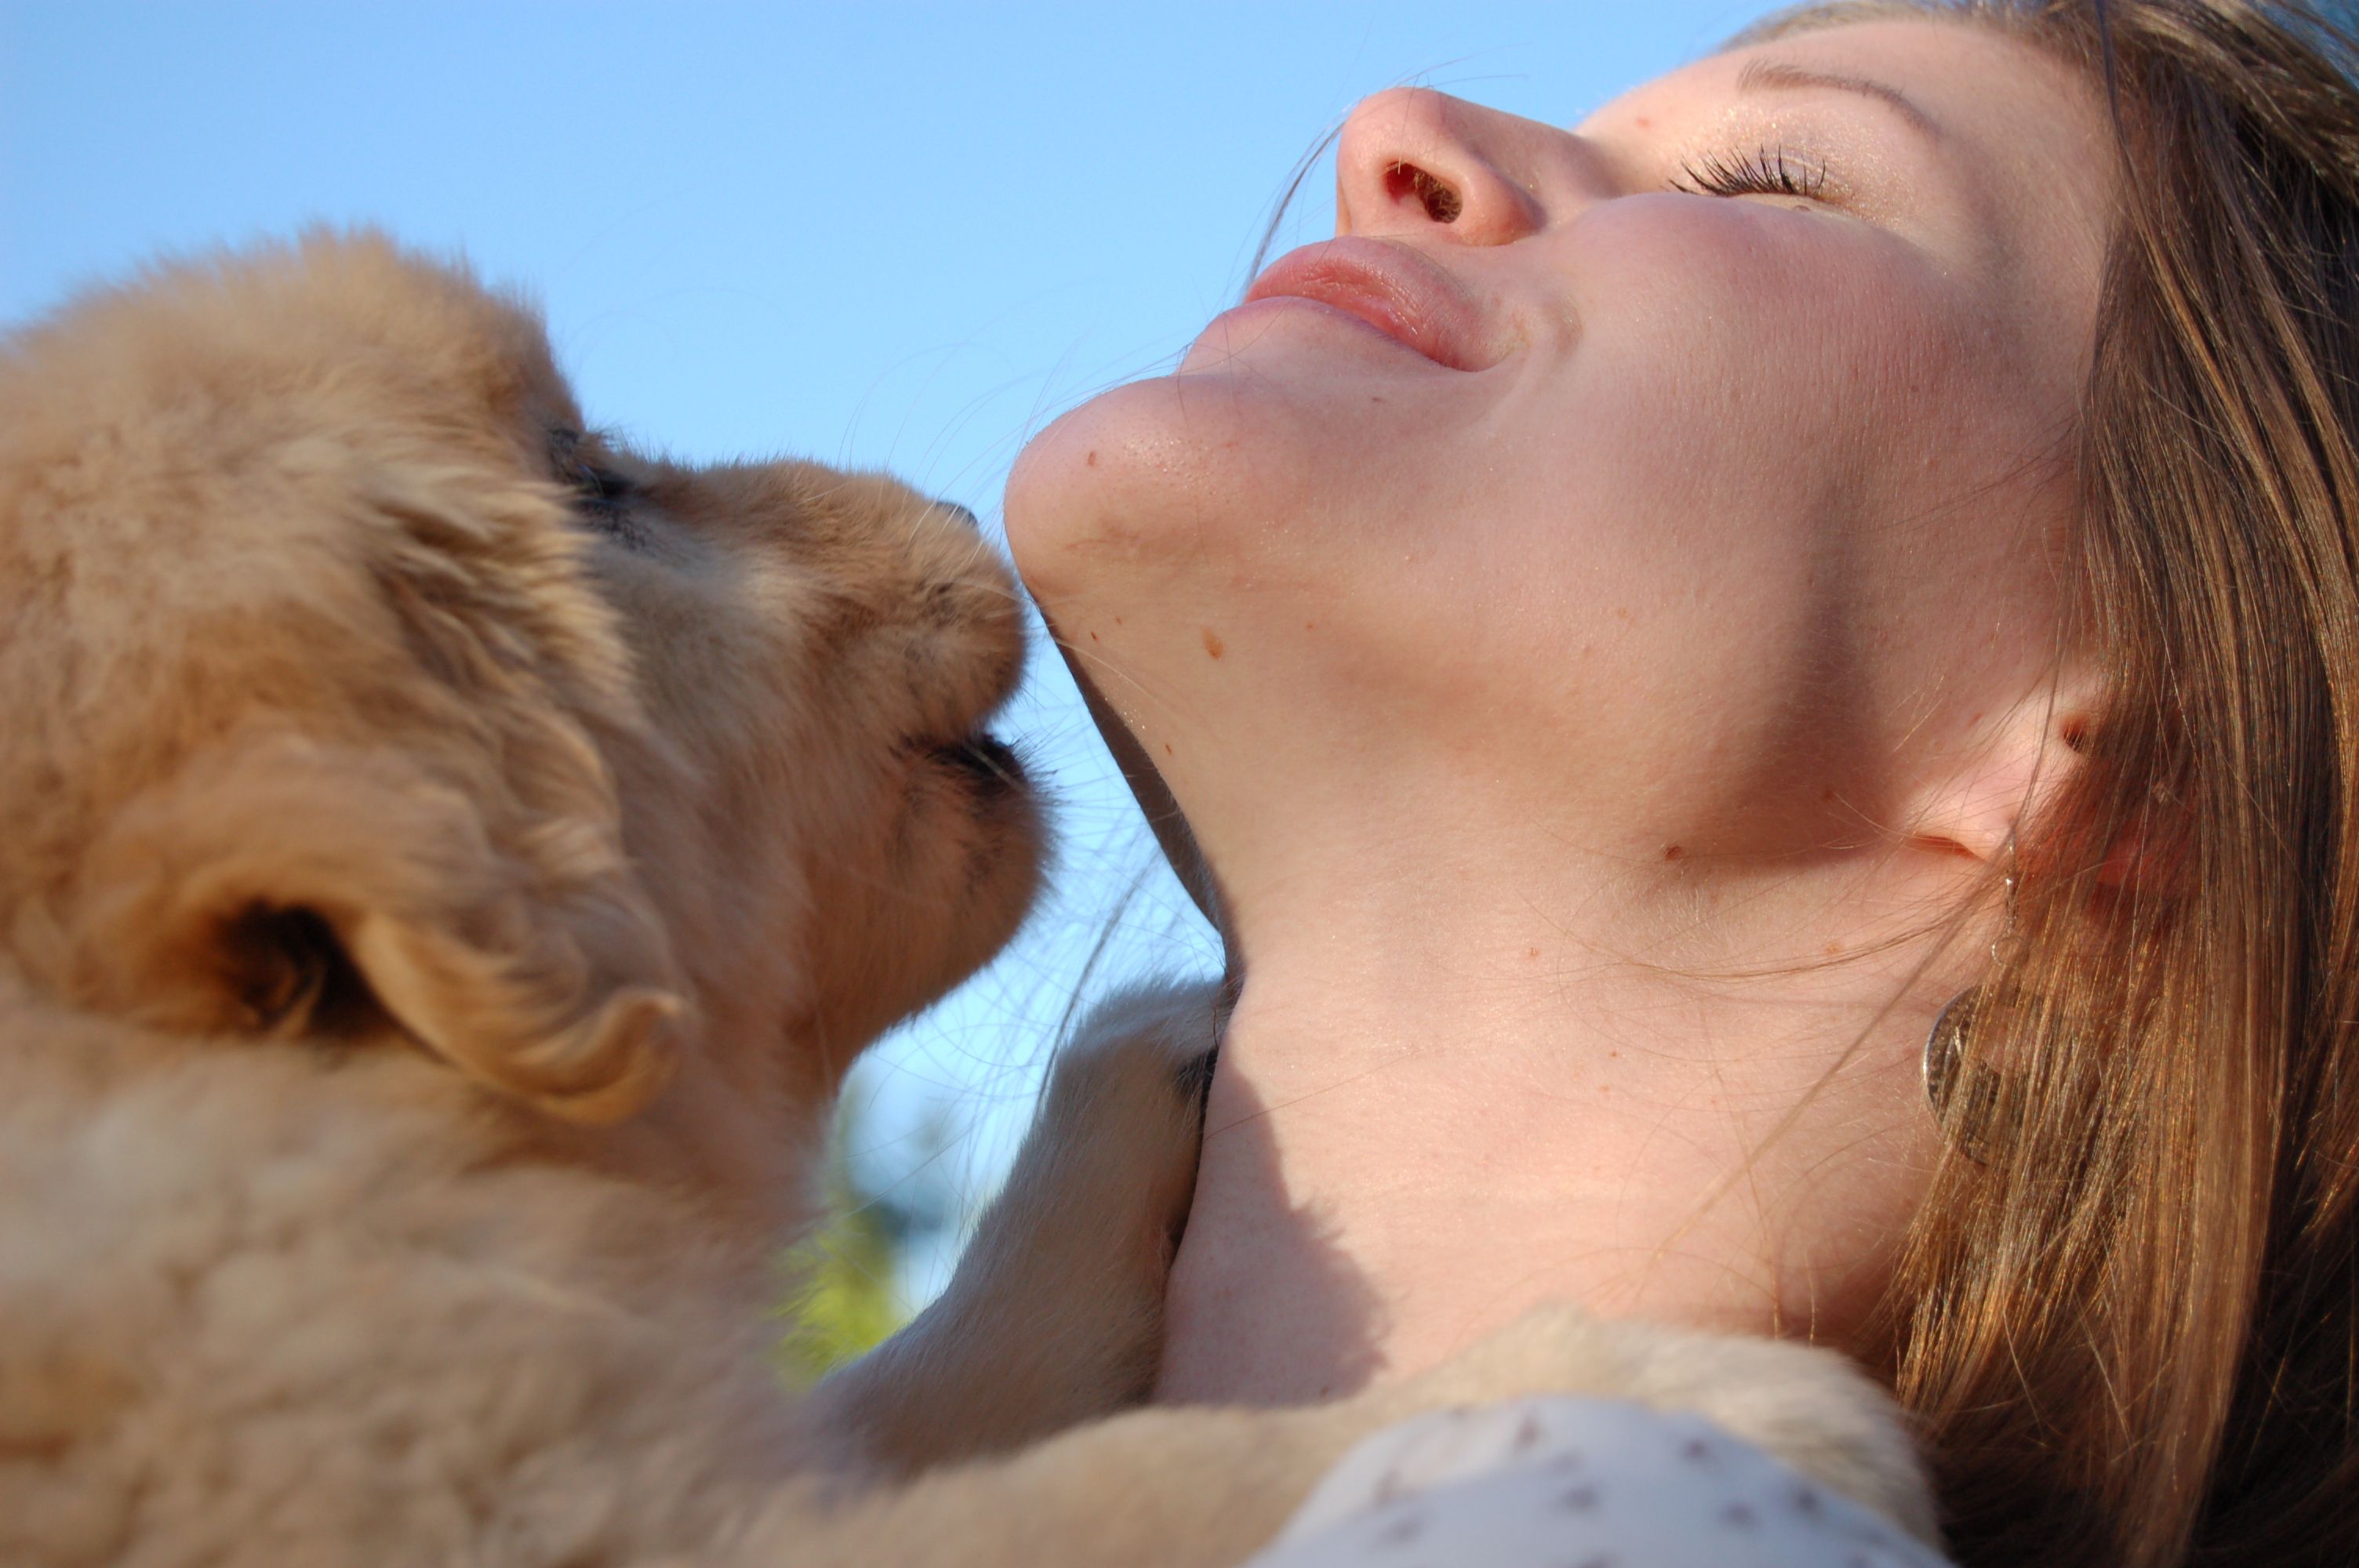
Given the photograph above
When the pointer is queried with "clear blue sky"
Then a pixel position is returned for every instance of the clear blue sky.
(885, 235)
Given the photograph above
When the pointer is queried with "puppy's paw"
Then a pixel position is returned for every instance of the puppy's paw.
(1125, 1102)
(1814, 1408)
(1810, 1407)
(1055, 1316)
(1120, 1126)
(1555, 1349)
(1062, 1289)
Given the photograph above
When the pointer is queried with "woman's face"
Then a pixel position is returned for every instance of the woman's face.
(1709, 462)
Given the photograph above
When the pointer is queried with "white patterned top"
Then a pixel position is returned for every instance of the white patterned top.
(1578, 1483)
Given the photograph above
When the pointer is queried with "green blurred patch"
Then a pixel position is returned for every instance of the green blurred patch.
(844, 1286)
(844, 1291)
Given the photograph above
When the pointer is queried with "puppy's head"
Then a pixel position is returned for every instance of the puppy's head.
(359, 693)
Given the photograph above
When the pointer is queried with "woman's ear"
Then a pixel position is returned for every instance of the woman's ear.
(2004, 774)
(280, 888)
(2021, 767)
(2149, 854)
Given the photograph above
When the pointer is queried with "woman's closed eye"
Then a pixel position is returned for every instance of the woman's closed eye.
(1768, 170)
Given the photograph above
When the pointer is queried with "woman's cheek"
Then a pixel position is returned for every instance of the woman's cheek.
(1661, 518)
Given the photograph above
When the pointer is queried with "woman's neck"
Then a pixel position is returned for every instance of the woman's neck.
(1456, 1088)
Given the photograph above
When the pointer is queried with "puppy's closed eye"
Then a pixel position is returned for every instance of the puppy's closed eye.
(603, 496)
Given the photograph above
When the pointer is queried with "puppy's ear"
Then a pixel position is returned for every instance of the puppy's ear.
(286, 889)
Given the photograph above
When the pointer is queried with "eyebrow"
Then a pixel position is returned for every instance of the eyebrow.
(1775, 73)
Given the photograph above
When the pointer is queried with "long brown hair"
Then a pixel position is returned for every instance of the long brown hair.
(2130, 1328)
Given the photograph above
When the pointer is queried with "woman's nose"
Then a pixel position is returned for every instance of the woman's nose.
(1412, 159)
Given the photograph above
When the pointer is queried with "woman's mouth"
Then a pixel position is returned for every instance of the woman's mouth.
(1393, 288)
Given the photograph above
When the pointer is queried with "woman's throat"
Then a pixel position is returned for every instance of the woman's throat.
(1395, 1164)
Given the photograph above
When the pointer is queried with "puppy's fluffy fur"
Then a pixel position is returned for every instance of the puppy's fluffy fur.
(450, 862)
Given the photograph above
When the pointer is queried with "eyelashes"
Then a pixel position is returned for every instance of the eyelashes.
(1766, 171)
(600, 496)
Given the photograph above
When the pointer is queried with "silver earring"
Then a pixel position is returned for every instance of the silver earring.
(1964, 1118)
(1963, 1102)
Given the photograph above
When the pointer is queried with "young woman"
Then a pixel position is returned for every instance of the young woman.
(1834, 577)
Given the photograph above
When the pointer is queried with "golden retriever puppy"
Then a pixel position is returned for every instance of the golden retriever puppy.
(450, 862)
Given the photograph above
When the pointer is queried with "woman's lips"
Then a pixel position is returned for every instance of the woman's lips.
(1393, 288)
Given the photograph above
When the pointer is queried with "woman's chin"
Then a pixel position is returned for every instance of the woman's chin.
(1261, 378)
(1104, 481)
(1247, 467)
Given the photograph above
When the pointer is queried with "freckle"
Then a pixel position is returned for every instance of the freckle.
(1213, 643)
(1310, 626)
(1833, 949)
(1828, 793)
(1117, 619)
(1092, 460)
(1167, 748)
(1094, 636)
(1376, 400)
(1621, 612)
(1645, 123)
(1672, 851)
(1531, 952)
(1614, 1054)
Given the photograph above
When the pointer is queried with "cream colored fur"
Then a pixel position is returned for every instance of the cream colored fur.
(450, 862)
